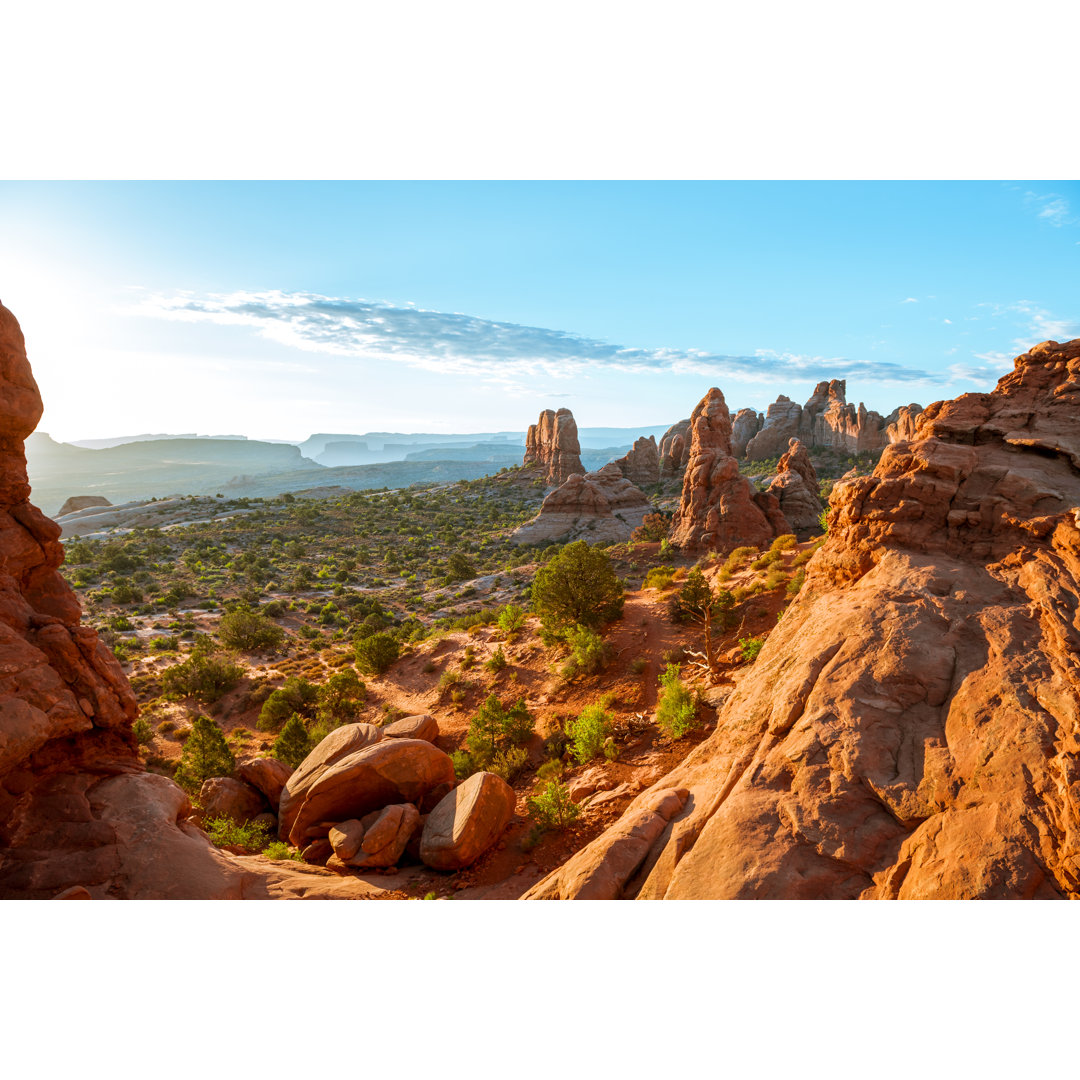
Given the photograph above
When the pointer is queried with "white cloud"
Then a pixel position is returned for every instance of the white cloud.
(909, 300)
(504, 353)
(1053, 209)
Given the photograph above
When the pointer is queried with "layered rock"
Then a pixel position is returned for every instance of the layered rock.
(719, 509)
(745, 425)
(674, 450)
(641, 465)
(795, 486)
(601, 507)
(911, 728)
(552, 445)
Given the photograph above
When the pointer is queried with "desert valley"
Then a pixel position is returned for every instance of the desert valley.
(815, 652)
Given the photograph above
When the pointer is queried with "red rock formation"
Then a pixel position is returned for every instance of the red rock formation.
(901, 423)
(600, 507)
(912, 727)
(552, 444)
(795, 486)
(674, 449)
(642, 464)
(746, 424)
(780, 427)
(719, 509)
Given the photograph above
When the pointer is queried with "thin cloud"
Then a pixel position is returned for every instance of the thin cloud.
(909, 300)
(1053, 209)
(508, 354)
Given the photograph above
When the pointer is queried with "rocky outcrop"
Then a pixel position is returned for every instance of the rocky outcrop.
(552, 445)
(377, 840)
(82, 502)
(719, 508)
(745, 425)
(901, 423)
(642, 464)
(911, 728)
(826, 421)
(223, 796)
(467, 822)
(266, 774)
(601, 507)
(795, 486)
(674, 450)
(389, 771)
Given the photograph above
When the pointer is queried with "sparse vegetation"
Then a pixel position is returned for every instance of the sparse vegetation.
(676, 710)
(553, 808)
(591, 732)
(205, 754)
(577, 587)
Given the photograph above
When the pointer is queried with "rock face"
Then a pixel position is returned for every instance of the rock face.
(902, 423)
(746, 424)
(796, 487)
(389, 771)
(467, 822)
(266, 774)
(642, 464)
(552, 444)
(719, 509)
(675, 450)
(81, 502)
(825, 421)
(600, 507)
(911, 728)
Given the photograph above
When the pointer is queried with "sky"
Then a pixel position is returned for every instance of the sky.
(281, 309)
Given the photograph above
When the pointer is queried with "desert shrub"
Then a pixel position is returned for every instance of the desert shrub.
(124, 593)
(518, 724)
(468, 658)
(295, 695)
(577, 587)
(244, 629)
(751, 646)
(203, 675)
(497, 662)
(205, 754)
(675, 711)
(653, 527)
(659, 577)
(510, 619)
(589, 732)
(783, 543)
(278, 849)
(375, 653)
(509, 763)
(775, 578)
(496, 728)
(553, 808)
(588, 653)
(293, 744)
(341, 698)
(823, 520)
(767, 559)
(223, 831)
(143, 732)
(550, 770)
(796, 582)
(458, 568)
(464, 765)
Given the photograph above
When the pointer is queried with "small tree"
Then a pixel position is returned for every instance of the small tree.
(295, 695)
(244, 629)
(590, 732)
(553, 808)
(340, 698)
(696, 602)
(578, 586)
(374, 654)
(293, 744)
(205, 754)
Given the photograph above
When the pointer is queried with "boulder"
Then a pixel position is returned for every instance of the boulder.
(340, 743)
(719, 509)
(390, 771)
(467, 822)
(551, 444)
(423, 726)
(221, 796)
(379, 839)
(267, 774)
(795, 487)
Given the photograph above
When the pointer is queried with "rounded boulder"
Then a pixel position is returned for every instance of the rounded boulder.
(467, 822)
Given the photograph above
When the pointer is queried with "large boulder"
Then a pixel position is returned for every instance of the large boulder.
(390, 771)
(423, 726)
(222, 796)
(340, 743)
(719, 509)
(377, 840)
(467, 822)
(266, 774)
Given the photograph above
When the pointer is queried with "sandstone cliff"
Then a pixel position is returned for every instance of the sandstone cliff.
(674, 449)
(719, 509)
(912, 727)
(552, 444)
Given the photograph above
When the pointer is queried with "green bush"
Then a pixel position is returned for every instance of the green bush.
(796, 583)
(278, 849)
(375, 653)
(783, 543)
(659, 577)
(341, 698)
(203, 675)
(675, 711)
(497, 661)
(553, 808)
(224, 832)
(590, 731)
(588, 653)
(295, 695)
(293, 744)
(496, 728)
(751, 646)
(464, 764)
(205, 754)
(143, 732)
(509, 763)
(577, 587)
(823, 520)
(244, 629)
(510, 619)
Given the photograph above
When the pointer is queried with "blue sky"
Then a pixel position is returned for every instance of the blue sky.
(278, 309)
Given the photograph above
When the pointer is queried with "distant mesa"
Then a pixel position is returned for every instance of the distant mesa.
(552, 444)
(602, 507)
(82, 502)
